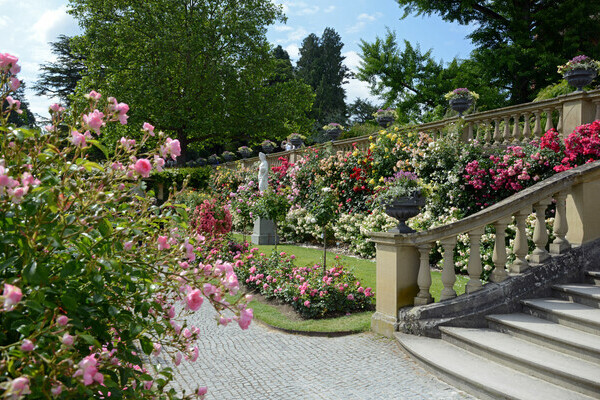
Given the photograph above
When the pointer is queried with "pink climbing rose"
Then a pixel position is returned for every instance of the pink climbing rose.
(143, 167)
(89, 370)
(148, 128)
(93, 120)
(162, 243)
(62, 320)
(194, 299)
(12, 295)
(27, 345)
(18, 387)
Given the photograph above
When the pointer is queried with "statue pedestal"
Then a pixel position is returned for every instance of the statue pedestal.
(264, 232)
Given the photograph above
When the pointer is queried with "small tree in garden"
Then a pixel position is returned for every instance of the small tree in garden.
(274, 205)
(211, 219)
(324, 211)
(92, 272)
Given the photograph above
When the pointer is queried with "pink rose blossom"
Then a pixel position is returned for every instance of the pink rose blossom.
(27, 345)
(78, 139)
(148, 128)
(159, 162)
(94, 121)
(88, 369)
(56, 108)
(173, 148)
(143, 167)
(128, 245)
(178, 358)
(94, 95)
(14, 104)
(194, 299)
(56, 390)
(12, 295)
(202, 391)
(195, 354)
(157, 349)
(127, 143)
(14, 83)
(148, 385)
(67, 339)
(122, 109)
(18, 387)
(246, 315)
(62, 320)
(9, 62)
(162, 243)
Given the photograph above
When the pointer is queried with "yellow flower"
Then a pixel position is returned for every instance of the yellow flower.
(355, 153)
(396, 129)
(370, 137)
(372, 146)
(394, 136)
(372, 181)
(381, 179)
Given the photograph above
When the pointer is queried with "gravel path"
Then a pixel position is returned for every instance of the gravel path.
(262, 363)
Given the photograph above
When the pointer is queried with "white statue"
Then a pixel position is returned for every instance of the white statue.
(263, 172)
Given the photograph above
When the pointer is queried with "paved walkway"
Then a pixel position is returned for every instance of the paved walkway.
(264, 364)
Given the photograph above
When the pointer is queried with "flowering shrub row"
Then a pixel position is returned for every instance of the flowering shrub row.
(311, 291)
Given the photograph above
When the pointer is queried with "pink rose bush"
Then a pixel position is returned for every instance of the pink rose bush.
(97, 278)
(312, 293)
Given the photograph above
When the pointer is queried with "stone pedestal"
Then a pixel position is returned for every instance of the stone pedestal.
(264, 232)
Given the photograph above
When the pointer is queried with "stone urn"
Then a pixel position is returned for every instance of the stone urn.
(268, 149)
(404, 208)
(228, 157)
(580, 77)
(384, 122)
(296, 141)
(213, 160)
(201, 161)
(245, 153)
(333, 134)
(461, 104)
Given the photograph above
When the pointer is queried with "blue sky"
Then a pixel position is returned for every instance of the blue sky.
(26, 27)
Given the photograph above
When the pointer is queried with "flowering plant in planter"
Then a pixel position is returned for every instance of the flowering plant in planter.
(213, 159)
(402, 184)
(228, 155)
(461, 93)
(268, 146)
(333, 126)
(579, 62)
(245, 151)
(387, 113)
(295, 136)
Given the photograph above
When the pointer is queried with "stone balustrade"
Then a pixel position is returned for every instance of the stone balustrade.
(506, 126)
(403, 268)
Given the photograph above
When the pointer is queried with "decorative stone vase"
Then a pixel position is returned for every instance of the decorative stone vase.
(580, 77)
(213, 160)
(245, 153)
(201, 162)
(404, 208)
(228, 157)
(296, 141)
(333, 134)
(461, 104)
(268, 149)
(384, 122)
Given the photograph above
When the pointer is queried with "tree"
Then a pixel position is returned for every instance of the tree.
(520, 42)
(198, 69)
(321, 66)
(415, 83)
(59, 78)
(361, 111)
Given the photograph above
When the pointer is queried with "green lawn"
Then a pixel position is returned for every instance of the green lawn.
(364, 271)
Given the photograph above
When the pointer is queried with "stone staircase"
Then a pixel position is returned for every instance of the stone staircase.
(551, 350)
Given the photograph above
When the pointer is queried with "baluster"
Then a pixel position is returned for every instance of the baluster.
(549, 124)
(520, 245)
(470, 132)
(537, 128)
(516, 129)
(597, 117)
(526, 128)
(540, 233)
(474, 268)
(506, 135)
(559, 125)
(424, 277)
(499, 256)
(448, 274)
(497, 136)
(487, 138)
(560, 244)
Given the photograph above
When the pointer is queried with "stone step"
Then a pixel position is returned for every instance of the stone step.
(538, 361)
(583, 293)
(479, 376)
(593, 277)
(550, 334)
(564, 312)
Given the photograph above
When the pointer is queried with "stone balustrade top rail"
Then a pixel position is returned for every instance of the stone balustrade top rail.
(502, 126)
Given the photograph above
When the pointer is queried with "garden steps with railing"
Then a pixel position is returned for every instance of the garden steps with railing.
(550, 350)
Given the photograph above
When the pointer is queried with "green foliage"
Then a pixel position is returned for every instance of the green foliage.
(519, 44)
(195, 69)
(554, 90)
(197, 178)
(321, 66)
(272, 205)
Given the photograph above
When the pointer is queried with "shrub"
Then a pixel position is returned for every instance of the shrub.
(211, 219)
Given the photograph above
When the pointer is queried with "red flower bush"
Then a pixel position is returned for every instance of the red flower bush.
(211, 219)
(581, 147)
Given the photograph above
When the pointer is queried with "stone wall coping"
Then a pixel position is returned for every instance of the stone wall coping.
(500, 211)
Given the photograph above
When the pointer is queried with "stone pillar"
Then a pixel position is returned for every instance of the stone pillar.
(578, 109)
(397, 271)
(583, 212)
(264, 232)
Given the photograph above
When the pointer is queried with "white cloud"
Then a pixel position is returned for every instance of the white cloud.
(352, 60)
(293, 51)
(308, 10)
(282, 28)
(355, 89)
(293, 35)
(51, 24)
(329, 9)
(366, 17)
(362, 20)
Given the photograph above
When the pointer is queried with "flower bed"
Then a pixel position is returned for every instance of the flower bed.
(312, 292)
